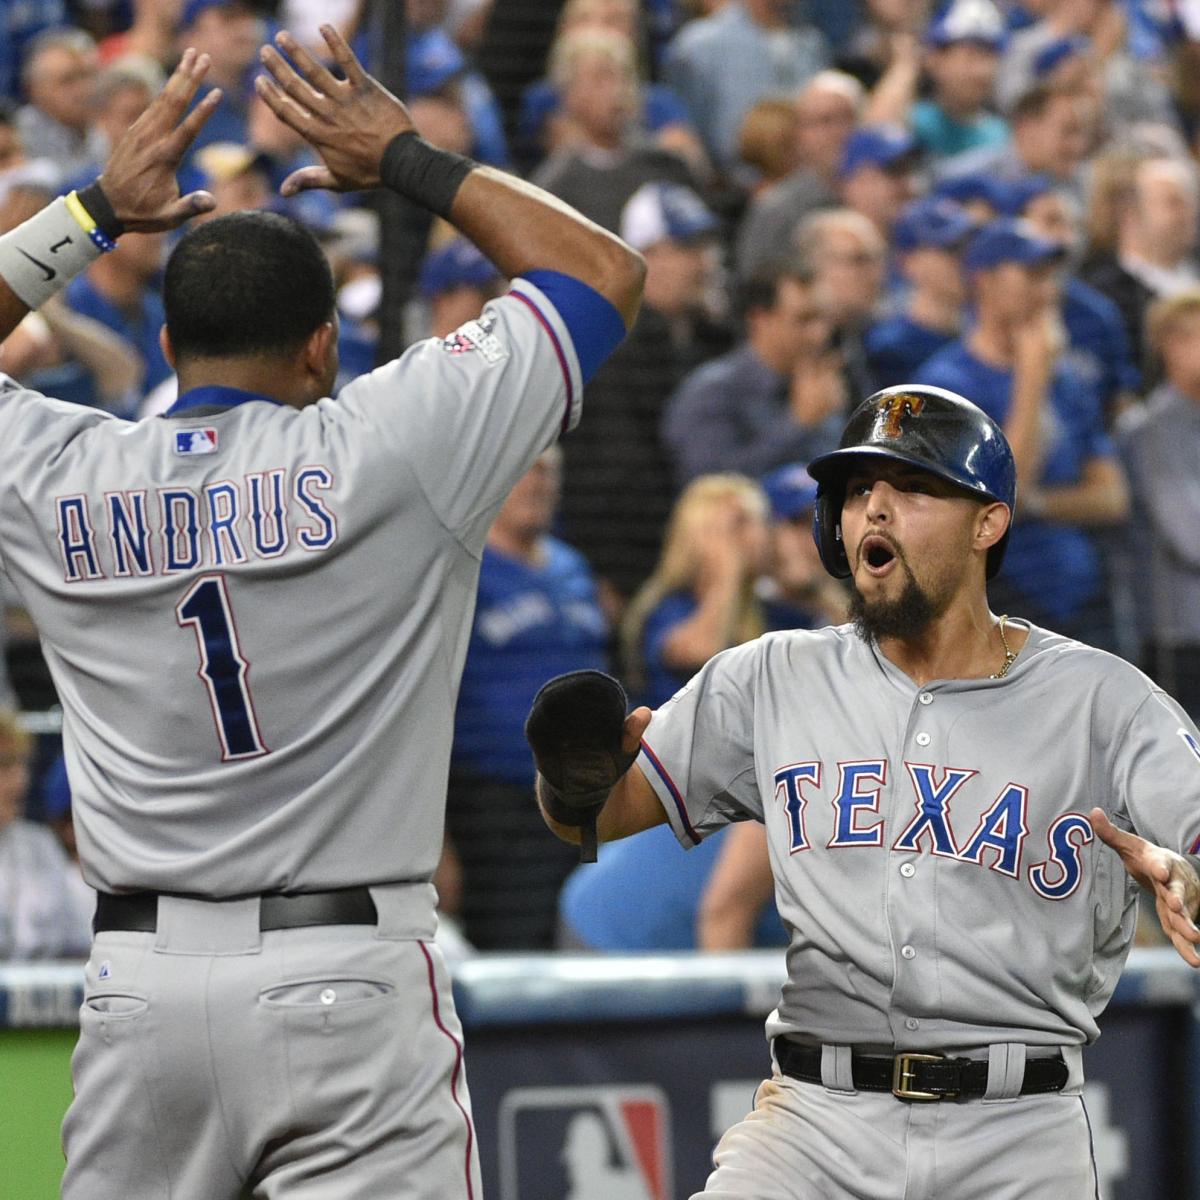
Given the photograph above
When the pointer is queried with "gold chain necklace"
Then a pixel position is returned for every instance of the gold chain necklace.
(1009, 656)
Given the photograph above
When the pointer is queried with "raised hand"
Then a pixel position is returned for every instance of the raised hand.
(348, 122)
(1168, 875)
(139, 179)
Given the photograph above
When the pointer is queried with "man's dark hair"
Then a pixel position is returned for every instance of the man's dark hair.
(761, 290)
(8, 112)
(1034, 102)
(244, 284)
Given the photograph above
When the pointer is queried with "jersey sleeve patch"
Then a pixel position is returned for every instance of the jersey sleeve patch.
(477, 336)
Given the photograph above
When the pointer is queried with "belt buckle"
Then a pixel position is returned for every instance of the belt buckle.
(903, 1074)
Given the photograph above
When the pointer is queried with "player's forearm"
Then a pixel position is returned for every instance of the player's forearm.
(631, 807)
(522, 228)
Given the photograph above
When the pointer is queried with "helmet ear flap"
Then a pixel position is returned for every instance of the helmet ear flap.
(828, 535)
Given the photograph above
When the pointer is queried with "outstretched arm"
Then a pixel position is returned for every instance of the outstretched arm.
(354, 123)
(1171, 877)
(138, 185)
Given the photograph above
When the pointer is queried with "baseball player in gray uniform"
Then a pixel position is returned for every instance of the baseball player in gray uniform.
(940, 790)
(256, 611)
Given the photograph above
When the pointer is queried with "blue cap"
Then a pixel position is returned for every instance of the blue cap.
(791, 490)
(1057, 51)
(968, 21)
(193, 8)
(660, 212)
(965, 189)
(932, 221)
(458, 263)
(877, 146)
(1006, 240)
(56, 791)
(432, 61)
(1018, 193)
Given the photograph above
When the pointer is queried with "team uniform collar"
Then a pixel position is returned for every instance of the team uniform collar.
(213, 396)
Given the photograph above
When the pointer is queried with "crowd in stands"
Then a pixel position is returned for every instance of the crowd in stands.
(1000, 197)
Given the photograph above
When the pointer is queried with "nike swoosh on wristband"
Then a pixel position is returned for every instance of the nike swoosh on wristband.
(48, 272)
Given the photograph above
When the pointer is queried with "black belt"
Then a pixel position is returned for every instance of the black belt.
(137, 912)
(916, 1076)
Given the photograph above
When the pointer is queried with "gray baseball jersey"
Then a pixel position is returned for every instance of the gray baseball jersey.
(256, 619)
(930, 846)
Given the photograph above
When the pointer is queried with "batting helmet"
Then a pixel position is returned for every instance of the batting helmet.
(926, 427)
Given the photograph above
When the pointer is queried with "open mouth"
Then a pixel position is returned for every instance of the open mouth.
(877, 553)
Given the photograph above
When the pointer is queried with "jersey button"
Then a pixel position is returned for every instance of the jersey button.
(907, 870)
(926, 697)
(912, 1023)
(907, 952)
(328, 996)
(922, 739)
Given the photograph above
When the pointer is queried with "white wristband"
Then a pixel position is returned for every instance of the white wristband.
(42, 255)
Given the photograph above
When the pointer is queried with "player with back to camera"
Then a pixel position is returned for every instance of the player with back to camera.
(255, 610)
(940, 790)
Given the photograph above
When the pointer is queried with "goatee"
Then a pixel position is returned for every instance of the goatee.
(906, 617)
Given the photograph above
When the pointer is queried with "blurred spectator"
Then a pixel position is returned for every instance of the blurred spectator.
(701, 597)
(541, 126)
(1130, 90)
(1098, 345)
(778, 397)
(119, 290)
(826, 111)
(456, 281)
(848, 258)
(721, 64)
(607, 906)
(1155, 254)
(1069, 481)
(237, 176)
(598, 173)
(929, 240)
(618, 486)
(876, 176)
(1052, 131)
(739, 893)
(1160, 445)
(964, 48)
(56, 812)
(151, 34)
(984, 197)
(38, 914)
(767, 141)
(59, 75)
(536, 617)
(797, 592)
(435, 66)
(230, 33)
(12, 151)
(123, 92)
(883, 27)
(20, 23)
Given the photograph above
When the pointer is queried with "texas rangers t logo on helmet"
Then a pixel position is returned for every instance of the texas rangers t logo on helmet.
(893, 409)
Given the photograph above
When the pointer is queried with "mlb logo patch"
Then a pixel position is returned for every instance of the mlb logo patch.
(585, 1143)
(195, 441)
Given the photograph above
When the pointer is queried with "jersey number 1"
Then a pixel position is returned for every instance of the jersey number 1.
(205, 607)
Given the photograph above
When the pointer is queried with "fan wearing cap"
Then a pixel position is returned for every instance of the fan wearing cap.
(617, 482)
(942, 789)
(1011, 364)
(963, 48)
(929, 239)
(1098, 343)
(797, 592)
(877, 174)
(456, 281)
